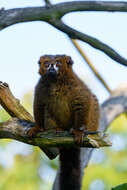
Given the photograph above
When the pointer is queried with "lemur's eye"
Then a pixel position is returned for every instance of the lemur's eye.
(46, 64)
(58, 63)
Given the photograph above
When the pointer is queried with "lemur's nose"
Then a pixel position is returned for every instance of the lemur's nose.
(51, 69)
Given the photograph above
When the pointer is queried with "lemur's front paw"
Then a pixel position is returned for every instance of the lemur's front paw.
(59, 130)
(78, 136)
(33, 131)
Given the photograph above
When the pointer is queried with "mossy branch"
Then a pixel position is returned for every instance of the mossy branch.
(17, 129)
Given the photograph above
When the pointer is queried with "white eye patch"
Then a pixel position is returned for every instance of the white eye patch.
(54, 66)
(49, 66)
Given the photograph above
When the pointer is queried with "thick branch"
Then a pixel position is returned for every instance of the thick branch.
(53, 13)
(110, 6)
(17, 129)
(15, 109)
(11, 104)
(13, 16)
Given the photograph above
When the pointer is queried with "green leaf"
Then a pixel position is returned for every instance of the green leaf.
(120, 187)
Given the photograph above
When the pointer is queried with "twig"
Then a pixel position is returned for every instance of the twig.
(47, 2)
(85, 57)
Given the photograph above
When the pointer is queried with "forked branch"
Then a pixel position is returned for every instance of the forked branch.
(53, 14)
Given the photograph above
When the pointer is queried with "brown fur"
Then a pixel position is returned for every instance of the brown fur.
(63, 102)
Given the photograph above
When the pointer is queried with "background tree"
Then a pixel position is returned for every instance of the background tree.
(111, 108)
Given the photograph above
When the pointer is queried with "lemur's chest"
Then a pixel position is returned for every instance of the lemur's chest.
(58, 105)
(57, 100)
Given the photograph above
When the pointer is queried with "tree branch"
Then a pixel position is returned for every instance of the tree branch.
(89, 63)
(11, 104)
(53, 13)
(110, 6)
(74, 34)
(47, 2)
(15, 109)
(13, 16)
(17, 129)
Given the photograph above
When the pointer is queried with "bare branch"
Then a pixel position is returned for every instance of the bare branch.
(110, 6)
(94, 70)
(53, 13)
(11, 104)
(14, 16)
(17, 15)
(74, 34)
(47, 2)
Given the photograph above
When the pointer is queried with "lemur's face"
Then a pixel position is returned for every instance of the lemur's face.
(53, 66)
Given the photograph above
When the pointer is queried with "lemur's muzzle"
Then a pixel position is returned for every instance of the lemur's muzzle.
(51, 71)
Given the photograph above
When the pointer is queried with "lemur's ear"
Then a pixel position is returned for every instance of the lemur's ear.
(69, 60)
(39, 62)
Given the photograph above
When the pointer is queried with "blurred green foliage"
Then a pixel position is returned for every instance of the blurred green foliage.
(22, 174)
(120, 187)
(26, 167)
